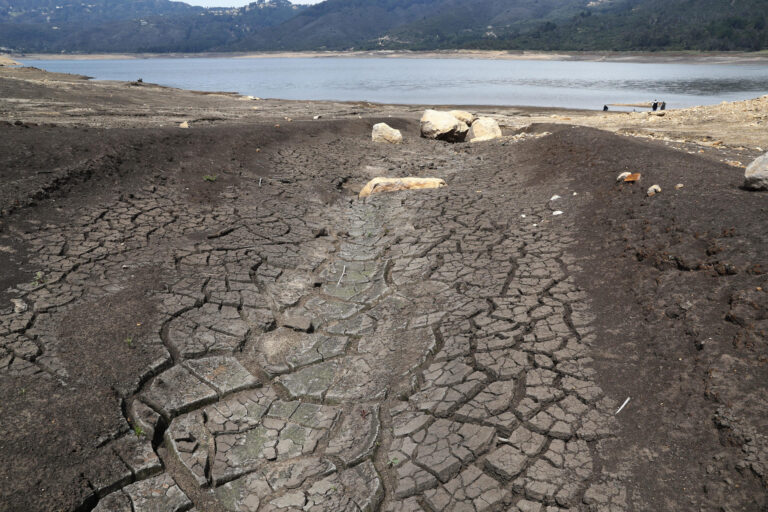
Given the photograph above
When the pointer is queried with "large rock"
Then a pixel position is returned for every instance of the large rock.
(756, 175)
(442, 126)
(484, 128)
(382, 132)
(463, 116)
(377, 185)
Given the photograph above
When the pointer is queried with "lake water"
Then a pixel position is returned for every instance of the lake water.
(440, 81)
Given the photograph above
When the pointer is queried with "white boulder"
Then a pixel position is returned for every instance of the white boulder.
(382, 132)
(484, 128)
(442, 126)
(756, 175)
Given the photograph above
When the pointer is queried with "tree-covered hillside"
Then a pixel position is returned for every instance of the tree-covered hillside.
(165, 26)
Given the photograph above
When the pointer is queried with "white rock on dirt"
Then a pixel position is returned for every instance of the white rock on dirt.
(463, 116)
(19, 306)
(653, 190)
(184, 124)
(381, 184)
(484, 128)
(621, 176)
(382, 132)
(442, 126)
(756, 175)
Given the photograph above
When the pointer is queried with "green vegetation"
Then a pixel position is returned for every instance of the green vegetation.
(39, 278)
(211, 178)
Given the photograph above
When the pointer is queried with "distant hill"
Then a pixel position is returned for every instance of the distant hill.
(165, 26)
(412, 24)
(132, 26)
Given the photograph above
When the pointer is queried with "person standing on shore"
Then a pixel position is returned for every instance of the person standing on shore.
(655, 105)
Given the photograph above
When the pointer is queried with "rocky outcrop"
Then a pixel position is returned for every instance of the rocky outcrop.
(756, 175)
(382, 132)
(484, 128)
(442, 126)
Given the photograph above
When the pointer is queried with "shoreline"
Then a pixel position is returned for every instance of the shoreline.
(680, 57)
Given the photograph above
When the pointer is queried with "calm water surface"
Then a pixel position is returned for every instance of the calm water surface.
(440, 81)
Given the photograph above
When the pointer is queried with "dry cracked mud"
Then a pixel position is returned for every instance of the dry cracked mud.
(211, 320)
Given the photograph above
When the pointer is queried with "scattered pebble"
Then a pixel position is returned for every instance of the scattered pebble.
(317, 117)
(554, 197)
(19, 306)
(523, 216)
(653, 190)
(557, 212)
(185, 124)
(679, 186)
(621, 176)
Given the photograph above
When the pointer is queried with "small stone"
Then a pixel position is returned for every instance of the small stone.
(382, 132)
(185, 124)
(653, 190)
(622, 176)
(756, 175)
(679, 186)
(19, 306)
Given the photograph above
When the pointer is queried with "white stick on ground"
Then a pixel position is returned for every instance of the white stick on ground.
(343, 271)
(622, 406)
(259, 181)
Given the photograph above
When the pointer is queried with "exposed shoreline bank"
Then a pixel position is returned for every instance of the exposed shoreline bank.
(637, 57)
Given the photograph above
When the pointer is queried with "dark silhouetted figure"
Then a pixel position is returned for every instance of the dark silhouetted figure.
(663, 105)
(605, 108)
(655, 105)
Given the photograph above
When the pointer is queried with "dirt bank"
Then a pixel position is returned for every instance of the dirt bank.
(209, 317)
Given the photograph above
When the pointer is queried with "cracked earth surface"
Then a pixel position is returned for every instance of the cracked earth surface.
(209, 319)
(407, 352)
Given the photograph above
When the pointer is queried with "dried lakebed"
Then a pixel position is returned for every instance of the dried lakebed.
(263, 340)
